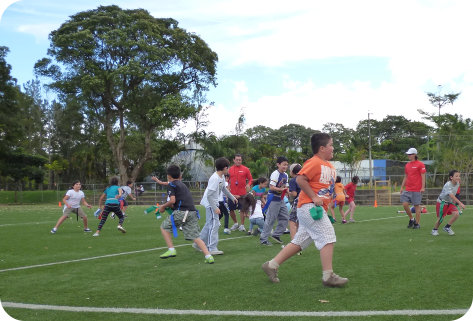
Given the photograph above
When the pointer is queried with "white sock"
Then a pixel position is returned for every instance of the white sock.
(273, 264)
(326, 274)
(171, 249)
(207, 256)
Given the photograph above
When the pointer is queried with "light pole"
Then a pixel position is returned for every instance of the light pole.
(369, 151)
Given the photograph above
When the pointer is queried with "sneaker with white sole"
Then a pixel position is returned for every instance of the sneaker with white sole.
(335, 281)
(435, 232)
(270, 272)
(234, 227)
(227, 231)
(242, 228)
(210, 260)
(96, 234)
(276, 239)
(266, 243)
(168, 254)
(121, 229)
(449, 230)
(87, 230)
(53, 230)
(216, 252)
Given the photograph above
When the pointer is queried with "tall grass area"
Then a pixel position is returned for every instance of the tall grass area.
(389, 266)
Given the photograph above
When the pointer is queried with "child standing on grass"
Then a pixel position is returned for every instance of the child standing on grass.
(71, 202)
(257, 217)
(350, 189)
(184, 215)
(447, 203)
(277, 210)
(339, 198)
(215, 187)
(316, 179)
(294, 191)
(111, 195)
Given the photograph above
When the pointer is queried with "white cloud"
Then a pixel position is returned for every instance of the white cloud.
(39, 31)
(4, 4)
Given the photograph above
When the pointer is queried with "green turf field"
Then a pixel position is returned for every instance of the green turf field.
(389, 266)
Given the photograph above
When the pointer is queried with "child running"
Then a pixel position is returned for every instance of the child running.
(316, 180)
(447, 203)
(350, 189)
(111, 195)
(339, 198)
(126, 190)
(71, 202)
(257, 217)
(215, 186)
(184, 215)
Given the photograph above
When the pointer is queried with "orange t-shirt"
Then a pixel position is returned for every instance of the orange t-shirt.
(321, 175)
(340, 196)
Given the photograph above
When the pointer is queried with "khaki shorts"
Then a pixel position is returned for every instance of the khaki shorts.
(66, 211)
(190, 228)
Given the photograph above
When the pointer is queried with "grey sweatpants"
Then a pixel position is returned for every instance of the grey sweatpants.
(277, 210)
(209, 233)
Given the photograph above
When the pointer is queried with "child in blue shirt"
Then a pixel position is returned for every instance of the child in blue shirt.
(257, 217)
(111, 195)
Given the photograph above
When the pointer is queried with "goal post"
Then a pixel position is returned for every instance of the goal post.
(382, 192)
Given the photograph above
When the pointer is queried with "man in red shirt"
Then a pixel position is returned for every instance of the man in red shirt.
(240, 184)
(414, 185)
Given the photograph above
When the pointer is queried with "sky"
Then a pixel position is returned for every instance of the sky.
(307, 62)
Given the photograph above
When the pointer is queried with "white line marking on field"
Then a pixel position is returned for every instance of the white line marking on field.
(105, 256)
(387, 218)
(29, 223)
(236, 313)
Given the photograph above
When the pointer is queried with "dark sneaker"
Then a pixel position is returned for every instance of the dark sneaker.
(335, 281)
(411, 224)
(266, 243)
(255, 232)
(276, 239)
(416, 226)
(271, 273)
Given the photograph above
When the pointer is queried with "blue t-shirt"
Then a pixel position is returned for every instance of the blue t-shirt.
(294, 187)
(277, 179)
(259, 192)
(112, 192)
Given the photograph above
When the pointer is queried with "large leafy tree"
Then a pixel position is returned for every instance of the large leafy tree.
(132, 72)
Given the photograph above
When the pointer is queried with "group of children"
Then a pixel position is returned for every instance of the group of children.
(314, 189)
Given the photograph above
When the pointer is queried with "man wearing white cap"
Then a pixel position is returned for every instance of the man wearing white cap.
(414, 185)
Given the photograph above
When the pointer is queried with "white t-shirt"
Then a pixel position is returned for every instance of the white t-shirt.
(126, 190)
(74, 198)
(214, 187)
(258, 210)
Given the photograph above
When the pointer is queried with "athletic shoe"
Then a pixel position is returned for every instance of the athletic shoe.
(344, 221)
(335, 281)
(271, 273)
(277, 239)
(242, 228)
(249, 233)
(87, 230)
(352, 220)
(168, 253)
(53, 231)
(266, 243)
(449, 230)
(416, 226)
(411, 224)
(196, 247)
(113, 215)
(210, 260)
(234, 227)
(435, 232)
(255, 231)
(216, 252)
(287, 231)
(227, 231)
(121, 229)
(96, 234)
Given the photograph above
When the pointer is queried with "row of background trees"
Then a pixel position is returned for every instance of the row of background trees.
(124, 81)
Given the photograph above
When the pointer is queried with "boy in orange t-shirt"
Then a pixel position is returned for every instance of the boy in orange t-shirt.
(316, 180)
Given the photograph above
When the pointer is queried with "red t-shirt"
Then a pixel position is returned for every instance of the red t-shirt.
(350, 189)
(414, 171)
(238, 179)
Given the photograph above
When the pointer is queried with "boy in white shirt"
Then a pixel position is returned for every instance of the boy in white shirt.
(215, 186)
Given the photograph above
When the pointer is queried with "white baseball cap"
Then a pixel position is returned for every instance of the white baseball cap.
(411, 151)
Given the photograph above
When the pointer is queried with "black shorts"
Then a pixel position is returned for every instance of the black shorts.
(232, 206)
